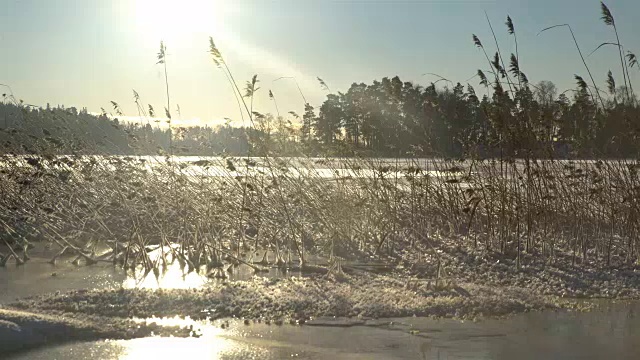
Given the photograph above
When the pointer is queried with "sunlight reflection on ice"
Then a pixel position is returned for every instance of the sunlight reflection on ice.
(210, 344)
(175, 348)
(173, 278)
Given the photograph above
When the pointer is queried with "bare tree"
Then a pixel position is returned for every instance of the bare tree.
(545, 92)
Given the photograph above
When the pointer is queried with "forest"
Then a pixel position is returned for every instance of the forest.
(387, 118)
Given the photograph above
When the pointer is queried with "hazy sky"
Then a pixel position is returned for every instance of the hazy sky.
(86, 53)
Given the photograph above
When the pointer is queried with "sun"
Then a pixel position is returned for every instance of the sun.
(177, 20)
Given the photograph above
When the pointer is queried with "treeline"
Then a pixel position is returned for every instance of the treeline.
(60, 130)
(386, 118)
(395, 118)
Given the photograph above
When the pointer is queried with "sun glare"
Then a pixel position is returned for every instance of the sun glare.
(173, 20)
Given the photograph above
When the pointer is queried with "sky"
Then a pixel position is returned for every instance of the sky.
(87, 53)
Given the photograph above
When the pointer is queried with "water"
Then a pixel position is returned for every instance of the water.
(296, 167)
(38, 276)
(611, 332)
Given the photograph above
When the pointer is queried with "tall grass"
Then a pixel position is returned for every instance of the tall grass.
(290, 207)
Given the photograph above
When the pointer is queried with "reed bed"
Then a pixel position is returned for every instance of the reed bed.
(209, 212)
